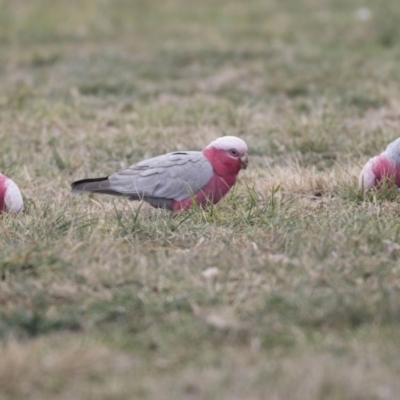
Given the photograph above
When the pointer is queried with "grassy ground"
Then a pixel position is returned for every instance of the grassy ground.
(287, 289)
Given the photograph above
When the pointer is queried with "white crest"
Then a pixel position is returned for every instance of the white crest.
(230, 142)
(366, 180)
(12, 198)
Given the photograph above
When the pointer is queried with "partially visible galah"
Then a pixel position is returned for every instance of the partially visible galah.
(386, 166)
(176, 180)
(10, 196)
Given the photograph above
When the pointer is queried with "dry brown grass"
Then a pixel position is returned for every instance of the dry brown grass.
(287, 289)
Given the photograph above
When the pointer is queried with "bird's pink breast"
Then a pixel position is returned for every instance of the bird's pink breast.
(213, 192)
(383, 168)
(224, 177)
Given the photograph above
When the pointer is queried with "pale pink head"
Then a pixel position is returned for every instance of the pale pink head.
(10, 196)
(227, 154)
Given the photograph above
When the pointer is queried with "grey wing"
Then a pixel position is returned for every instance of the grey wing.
(171, 176)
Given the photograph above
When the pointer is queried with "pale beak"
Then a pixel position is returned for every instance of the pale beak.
(244, 161)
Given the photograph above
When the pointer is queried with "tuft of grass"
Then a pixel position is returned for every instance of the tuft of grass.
(287, 288)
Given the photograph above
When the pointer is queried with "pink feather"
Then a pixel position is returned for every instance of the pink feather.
(10, 196)
(386, 166)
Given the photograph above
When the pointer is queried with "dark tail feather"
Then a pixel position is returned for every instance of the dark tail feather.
(102, 185)
(95, 185)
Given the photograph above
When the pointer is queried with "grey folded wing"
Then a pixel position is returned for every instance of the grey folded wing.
(174, 176)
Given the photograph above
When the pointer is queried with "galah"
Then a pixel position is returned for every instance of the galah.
(10, 196)
(386, 166)
(175, 181)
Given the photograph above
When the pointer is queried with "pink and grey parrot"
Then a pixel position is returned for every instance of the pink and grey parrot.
(386, 166)
(174, 181)
(10, 196)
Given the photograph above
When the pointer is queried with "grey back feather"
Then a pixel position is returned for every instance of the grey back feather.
(392, 151)
(175, 176)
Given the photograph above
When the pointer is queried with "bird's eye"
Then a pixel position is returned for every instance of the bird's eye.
(234, 153)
